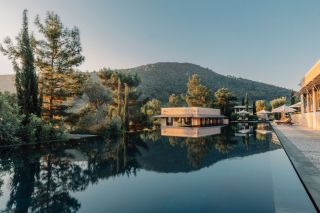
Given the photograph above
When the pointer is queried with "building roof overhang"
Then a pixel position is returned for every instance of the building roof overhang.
(311, 79)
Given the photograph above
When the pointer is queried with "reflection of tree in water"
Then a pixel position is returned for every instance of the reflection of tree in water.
(174, 141)
(152, 136)
(117, 158)
(197, 148)
(261, 137)
(5, 167)
(223, 146)
(43, 182)
(25, 172)
(52, 188)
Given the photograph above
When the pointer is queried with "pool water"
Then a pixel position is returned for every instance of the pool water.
(240, 168)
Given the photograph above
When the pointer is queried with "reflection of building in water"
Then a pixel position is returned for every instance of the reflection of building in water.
(243, 129)
(191, 117)
(192, 132)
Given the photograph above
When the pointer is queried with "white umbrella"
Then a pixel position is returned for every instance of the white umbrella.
(263, 112)
(243, 112)
(296, 105)
(284, 109)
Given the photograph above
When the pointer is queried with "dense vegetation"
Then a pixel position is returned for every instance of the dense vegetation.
(14, 128)
(160, 80)
(20, 114)
(52, 96)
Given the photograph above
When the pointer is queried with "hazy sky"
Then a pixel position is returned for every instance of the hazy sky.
(273, 41)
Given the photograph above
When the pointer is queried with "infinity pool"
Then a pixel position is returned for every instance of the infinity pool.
(236, 169)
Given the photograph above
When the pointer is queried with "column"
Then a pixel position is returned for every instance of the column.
(314, 100)
(302, 103)
(307, 99)
(314, 106)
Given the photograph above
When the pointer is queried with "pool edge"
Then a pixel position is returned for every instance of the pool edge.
(304, 169)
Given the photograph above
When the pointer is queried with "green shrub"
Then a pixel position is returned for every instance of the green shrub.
(10, 121)
(234, 116)
(12, 129)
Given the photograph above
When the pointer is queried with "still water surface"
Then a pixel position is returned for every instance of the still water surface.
(237, 169)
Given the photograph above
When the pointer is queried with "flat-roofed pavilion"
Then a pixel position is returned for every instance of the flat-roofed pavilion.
(191, 117)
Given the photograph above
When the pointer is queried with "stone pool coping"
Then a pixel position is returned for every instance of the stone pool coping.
(305, 169)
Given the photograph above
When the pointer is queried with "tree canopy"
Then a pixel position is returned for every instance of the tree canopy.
(278, 102)
(197, 94)
(22, 58)
(225, 100)
(58, 53)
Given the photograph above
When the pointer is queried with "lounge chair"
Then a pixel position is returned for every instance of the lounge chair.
(284, 121)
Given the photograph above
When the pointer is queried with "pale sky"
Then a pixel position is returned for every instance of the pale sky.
(273, 41)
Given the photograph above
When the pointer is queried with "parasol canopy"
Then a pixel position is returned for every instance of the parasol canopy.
(283, 109)
(296, 105)
(243, 112)
(263, 112)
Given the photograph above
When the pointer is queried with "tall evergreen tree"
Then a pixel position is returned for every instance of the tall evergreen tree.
(246, 102)
(125, 108)
(58, 54)
(22, 58)
(197, 94)
(254, 107)
(292, 98)
(119, 98)
(225, 100)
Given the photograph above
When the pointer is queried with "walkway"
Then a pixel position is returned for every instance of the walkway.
(302, 145)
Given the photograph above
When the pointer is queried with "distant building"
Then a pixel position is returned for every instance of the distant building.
(310, 99)
(191, 121)
(240, 108)
(191, 117)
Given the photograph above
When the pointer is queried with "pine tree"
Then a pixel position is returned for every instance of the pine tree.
(225, 100)
(292, 98)
(22, 59)
(125, 108)
(254, 107)
(119, 98)
(246, 102)
(242, 102)
(57, 56)
(197, 94)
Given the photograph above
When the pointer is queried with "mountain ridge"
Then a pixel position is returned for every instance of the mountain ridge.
(161, 79)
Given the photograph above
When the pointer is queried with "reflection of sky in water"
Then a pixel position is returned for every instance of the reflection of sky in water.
(150, 173)
(230, 185)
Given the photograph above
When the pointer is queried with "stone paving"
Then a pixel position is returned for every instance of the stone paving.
(302, 146)
(306, 140)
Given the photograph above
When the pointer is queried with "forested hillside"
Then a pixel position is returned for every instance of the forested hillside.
(160, 80)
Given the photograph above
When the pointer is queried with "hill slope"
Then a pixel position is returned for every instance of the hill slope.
(160, 80)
